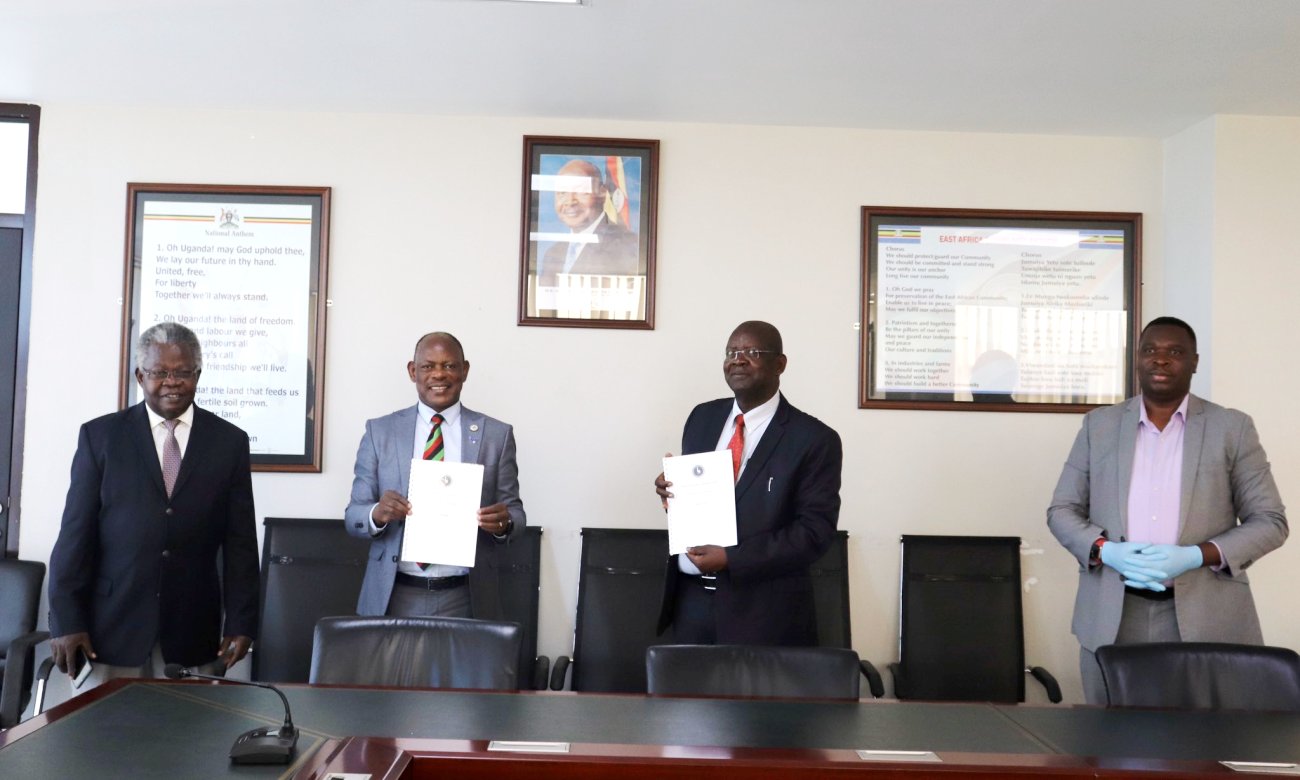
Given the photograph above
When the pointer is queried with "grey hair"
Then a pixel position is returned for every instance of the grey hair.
(169, 333)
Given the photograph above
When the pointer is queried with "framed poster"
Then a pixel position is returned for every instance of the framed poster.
(990, 310)
(245, 268)
(587, 239)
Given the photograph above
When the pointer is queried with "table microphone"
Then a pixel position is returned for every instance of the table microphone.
(261, 745)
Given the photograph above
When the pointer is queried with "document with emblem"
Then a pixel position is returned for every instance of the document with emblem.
(703, 507)
(443, 524)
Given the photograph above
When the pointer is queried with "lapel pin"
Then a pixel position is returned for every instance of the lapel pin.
(473, 427)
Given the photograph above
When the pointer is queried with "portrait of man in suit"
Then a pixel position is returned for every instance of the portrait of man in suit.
(156, 560)
(437, 427)
(1165, 500)
(787, 469)
(596, 242)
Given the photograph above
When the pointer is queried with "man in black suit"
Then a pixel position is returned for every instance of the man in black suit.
(158, 490)
(758, 592)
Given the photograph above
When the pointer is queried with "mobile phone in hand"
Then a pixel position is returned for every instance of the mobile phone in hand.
(81, 668)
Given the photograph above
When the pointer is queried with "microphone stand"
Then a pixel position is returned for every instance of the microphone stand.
(261, 745)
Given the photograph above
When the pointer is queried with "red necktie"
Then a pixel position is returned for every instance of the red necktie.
(737, 446)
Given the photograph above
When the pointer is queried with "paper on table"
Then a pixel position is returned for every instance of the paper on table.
(703, 507)
(443, 524)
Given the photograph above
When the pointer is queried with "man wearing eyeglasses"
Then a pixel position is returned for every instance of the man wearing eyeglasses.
(160, 492)
(787, 467)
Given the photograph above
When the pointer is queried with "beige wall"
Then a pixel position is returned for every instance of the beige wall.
(755, 222)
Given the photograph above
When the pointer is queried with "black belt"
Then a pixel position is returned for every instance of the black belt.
(1150, 595)
(432, 583)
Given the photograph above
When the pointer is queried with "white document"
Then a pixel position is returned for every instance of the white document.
(443, 524)
(703, 507)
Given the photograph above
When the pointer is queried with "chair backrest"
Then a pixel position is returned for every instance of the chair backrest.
(416, 652)
(744, 670)
(620, 587)
(1201, 675)
(961, 633)
(518, 566)
(20, 582)
(830, 577)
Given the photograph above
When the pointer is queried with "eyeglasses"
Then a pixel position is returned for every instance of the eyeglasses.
(183, 374)
(749, 354)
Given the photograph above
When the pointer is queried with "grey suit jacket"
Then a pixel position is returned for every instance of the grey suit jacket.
(1228, 497)
(384, 463)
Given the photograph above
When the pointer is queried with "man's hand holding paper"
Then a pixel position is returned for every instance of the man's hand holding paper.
(444, 520)
(702, 510)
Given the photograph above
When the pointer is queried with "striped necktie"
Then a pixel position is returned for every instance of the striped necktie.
(433, 449)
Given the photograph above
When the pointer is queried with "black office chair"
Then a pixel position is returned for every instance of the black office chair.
(745, 670)
(416, 652)
(20, 584)
(620, 586)
(1201, 676)
(961, 631)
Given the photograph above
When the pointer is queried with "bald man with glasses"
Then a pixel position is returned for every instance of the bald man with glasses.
(787, 468)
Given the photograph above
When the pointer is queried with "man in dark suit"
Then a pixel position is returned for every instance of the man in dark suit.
(158, 491)
(596, 246)
(437, 427)
(787, 506)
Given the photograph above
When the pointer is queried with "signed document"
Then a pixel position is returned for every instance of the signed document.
(443, 524)
(703, 507)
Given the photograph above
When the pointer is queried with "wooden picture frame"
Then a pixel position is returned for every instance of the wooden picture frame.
(998, 310)
(246, 268)
(587, 234)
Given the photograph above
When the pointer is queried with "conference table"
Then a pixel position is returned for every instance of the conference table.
(175, 729)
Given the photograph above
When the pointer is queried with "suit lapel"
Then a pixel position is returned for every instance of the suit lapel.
(766, 446)
(1128, 429)
(471, 435)
(142, 437)
(401, 444)
(1193, 439)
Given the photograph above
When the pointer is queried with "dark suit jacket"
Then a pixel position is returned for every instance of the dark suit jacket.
(616, 252)
(787, 507)
(133, 568)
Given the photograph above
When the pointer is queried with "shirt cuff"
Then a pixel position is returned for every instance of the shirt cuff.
(1223, 559)
(374, 529)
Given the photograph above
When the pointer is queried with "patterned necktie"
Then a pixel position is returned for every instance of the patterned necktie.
(737, 446)
(433, 449)
(171, 465)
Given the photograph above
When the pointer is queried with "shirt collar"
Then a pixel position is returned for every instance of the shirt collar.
(450, 415)
(156, 419)
(1180, 413)
(760, 414)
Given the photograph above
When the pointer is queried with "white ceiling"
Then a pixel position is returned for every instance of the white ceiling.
(1087, 67)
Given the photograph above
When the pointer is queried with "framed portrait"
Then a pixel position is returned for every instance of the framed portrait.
(587, 239)
(245, 268)
(991, 310)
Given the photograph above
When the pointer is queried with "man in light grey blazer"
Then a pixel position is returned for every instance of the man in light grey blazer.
(437, 427)
(1165, 500)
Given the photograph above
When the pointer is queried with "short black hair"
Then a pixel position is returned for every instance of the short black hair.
(1172, 322)
(438, 334)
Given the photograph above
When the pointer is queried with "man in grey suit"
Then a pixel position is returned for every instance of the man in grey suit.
(1165, 500)
(437, 427)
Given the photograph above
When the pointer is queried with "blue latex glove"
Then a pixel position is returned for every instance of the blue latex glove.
(1171, 559)
(1119, 556)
